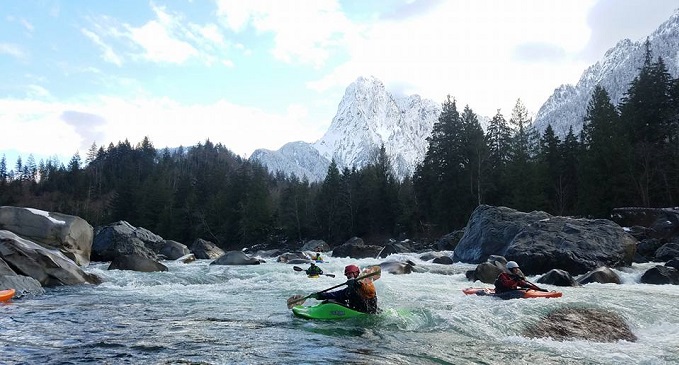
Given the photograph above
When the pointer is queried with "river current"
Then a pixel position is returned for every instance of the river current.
(207, 314)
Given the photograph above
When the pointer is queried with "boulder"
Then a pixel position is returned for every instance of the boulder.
(673, 263)
(394, 247)
(205, 250)
(136, 263)
(449, 241)
(558, 277)
(24, 285)
(588, 324)
(603, 275)
(663, 223)
(293, 256)
(490, 231)
(173, 250)
(316, 246)
(236, 258)
(443, 260)
(487, 272)
(357, 249)
(187, 258)
(660, 275)
(69, 234)
(667, 252)
(574, 245)
(397, 267)
(49, 267)
(648, 247)
(121, 238)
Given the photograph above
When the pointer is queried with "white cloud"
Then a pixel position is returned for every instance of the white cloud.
(12, 50)
(305, 33)
(60, 128)
(469, 49)
(168, 38)
(109, 55)
(159, 46)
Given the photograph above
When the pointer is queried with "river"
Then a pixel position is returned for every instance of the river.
(207, 314)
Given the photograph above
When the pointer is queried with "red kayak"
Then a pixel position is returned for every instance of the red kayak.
(6, 295)
(513, 294)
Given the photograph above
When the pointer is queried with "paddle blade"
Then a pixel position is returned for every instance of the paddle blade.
(330, 275)
(296, 299)
(297, 268)
(374, 273)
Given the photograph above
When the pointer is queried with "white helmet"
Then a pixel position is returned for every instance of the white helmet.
(512, 265)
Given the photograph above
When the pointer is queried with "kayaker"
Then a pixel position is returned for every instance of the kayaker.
(358, 295)
(314, 270)
(513, 280)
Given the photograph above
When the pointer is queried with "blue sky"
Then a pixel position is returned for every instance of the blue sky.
(257, 74)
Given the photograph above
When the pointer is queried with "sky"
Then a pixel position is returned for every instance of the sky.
(258, 74)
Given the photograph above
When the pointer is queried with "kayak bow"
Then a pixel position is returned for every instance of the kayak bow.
(326, 311)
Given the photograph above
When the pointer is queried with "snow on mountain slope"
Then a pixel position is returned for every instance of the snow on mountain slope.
(615, 71)
(367, 117)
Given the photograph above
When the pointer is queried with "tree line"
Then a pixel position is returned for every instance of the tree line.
(624, 156)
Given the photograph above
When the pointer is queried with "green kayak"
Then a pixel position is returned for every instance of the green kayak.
(326, 311)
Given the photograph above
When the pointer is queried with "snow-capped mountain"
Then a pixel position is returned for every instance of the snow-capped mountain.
(615, 71)
(367, 117)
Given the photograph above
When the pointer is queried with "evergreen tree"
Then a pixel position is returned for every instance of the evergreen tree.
(498, 140)
(551, 169)
(646, 110)
(439, 181)
(328, 205)
(475, 156)
(602, 169)
(523, 185)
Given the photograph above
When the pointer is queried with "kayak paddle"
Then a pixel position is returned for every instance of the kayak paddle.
(299, 299)
(297, 268)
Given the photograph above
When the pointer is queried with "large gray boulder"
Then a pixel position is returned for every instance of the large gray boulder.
(540, 242)
(121, 238)
(49, 267)
(70, 234)
(490, 231)
(574, 245)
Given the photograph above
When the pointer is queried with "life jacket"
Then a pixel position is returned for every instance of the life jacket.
(367, 290)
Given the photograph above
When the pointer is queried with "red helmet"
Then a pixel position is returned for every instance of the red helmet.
(351, 269)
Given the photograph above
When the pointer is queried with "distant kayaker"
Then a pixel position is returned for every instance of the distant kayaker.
(314, 270)
(512, 280)
(358, 295)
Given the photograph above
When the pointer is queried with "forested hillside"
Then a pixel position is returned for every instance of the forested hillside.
(626, 156)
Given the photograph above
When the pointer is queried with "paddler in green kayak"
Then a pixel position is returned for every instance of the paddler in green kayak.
(314, 270)
(358, 295)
